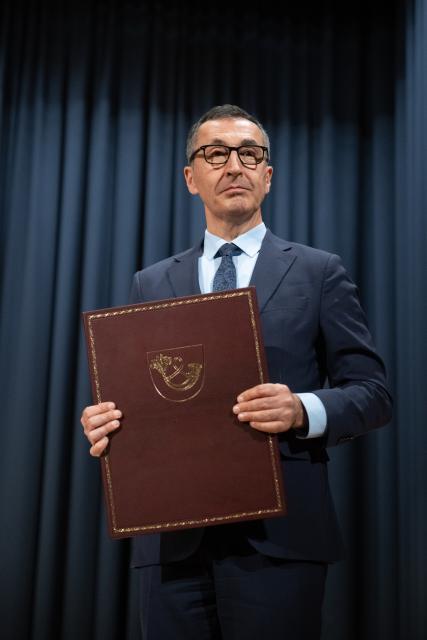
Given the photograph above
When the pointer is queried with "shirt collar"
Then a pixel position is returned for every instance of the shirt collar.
(249, 242)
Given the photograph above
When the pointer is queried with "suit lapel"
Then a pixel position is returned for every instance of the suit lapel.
(274, 261)
(183, 274)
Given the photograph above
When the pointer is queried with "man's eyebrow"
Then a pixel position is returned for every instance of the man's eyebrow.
(244, 142)
(249, 142)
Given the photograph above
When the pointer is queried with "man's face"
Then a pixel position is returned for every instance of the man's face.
(233, 192)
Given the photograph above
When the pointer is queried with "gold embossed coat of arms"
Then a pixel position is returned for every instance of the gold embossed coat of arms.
(177, 374)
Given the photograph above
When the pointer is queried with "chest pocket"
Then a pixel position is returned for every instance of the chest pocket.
(284, 305)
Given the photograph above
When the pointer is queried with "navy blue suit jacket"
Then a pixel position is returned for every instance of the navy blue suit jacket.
(316, 340)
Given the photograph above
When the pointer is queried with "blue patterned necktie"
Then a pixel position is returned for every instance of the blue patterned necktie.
(225, 277)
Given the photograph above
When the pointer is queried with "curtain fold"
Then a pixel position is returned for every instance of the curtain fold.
(95, 104)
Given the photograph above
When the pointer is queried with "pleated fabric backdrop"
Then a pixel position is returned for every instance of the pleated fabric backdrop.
(96, 100)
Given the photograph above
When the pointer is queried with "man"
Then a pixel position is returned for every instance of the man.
(263, 578)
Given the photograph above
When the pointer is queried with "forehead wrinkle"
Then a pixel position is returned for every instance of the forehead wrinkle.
(244, 142)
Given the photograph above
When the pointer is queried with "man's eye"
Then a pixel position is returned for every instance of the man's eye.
(248, 152)
(215, 153)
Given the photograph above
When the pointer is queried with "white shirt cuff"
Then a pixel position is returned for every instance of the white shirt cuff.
(316, 414)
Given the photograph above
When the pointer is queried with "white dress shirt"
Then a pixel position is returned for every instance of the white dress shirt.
(250, 244)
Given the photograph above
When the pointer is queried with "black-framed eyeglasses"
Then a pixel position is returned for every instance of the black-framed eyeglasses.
(249, 154)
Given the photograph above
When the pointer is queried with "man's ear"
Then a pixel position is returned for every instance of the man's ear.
(267, 177)
(188, 175)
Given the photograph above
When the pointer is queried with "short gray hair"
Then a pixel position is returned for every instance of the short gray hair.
(222, 112)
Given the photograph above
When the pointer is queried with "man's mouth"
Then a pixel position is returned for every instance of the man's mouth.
(235, 187)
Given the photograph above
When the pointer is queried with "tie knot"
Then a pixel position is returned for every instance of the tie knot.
(228, 249)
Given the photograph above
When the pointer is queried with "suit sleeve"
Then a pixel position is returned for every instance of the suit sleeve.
(135, 294)
(357, 399)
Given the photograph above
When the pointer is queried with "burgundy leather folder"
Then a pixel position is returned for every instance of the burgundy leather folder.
(181, 459)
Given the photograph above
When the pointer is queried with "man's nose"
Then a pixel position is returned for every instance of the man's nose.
(233, 163)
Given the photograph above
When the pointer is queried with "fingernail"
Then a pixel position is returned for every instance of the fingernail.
(115, 424)
(240, 398)
(236, 408)
(117, 414)
(111, 405)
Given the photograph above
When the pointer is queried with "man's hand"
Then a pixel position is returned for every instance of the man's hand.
(99, 421)
(270, 407)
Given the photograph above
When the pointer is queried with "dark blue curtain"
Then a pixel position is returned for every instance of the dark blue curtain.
(96, 100)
